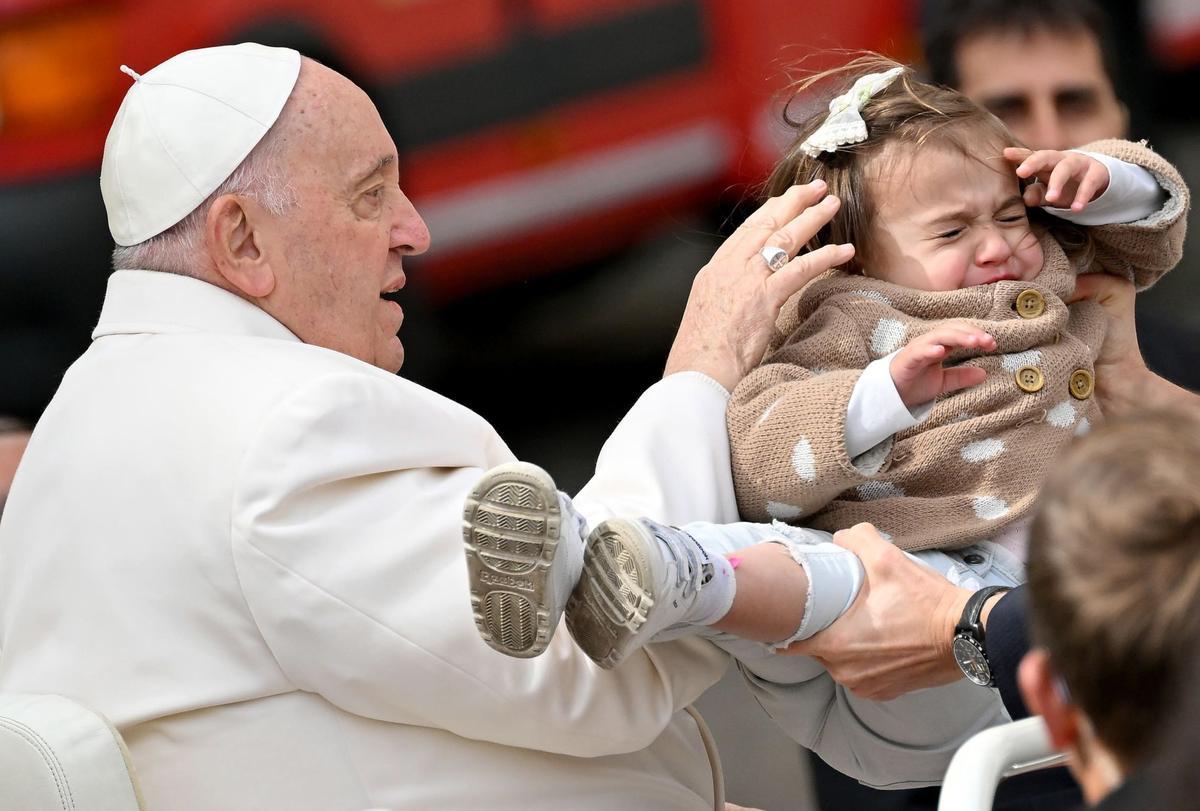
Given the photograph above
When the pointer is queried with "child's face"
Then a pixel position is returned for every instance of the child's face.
(946, 221)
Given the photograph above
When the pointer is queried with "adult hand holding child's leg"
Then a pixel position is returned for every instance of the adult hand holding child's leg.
(896, 636)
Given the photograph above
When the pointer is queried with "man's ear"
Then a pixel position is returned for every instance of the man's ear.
(1046, 695)
(234, 235)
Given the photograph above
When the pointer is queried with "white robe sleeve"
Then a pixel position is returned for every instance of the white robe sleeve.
(668, 459)
(347, 542)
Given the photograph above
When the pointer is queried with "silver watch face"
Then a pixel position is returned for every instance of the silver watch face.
(971, 660)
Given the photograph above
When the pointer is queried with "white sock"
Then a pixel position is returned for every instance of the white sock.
(568, 557)
(715, 597)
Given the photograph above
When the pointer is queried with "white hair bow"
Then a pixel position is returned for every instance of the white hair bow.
(845, 123)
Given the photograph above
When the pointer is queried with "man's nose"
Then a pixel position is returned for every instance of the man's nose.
(410, 235)
(1048, 131)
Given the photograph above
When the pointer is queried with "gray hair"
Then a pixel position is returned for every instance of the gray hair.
(180, 248)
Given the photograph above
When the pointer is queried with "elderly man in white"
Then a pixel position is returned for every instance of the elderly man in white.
(236, 532)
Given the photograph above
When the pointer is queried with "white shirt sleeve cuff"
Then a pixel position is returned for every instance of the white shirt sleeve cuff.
(876, 411)
(1132, 194)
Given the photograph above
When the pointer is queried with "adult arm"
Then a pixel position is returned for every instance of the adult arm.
(347, 529)
(348, 546)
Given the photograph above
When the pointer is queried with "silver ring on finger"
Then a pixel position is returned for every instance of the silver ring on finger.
(776, 258)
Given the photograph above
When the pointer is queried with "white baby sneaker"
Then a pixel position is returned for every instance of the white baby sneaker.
(524, 545)
(640, 578)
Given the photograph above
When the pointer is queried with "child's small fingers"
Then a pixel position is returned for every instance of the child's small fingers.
(960, 335)
(1041, 161)
(1089, 187)
(918, 356)
(1016, 156)
(962, 377)
(1034, 195)
(977, 337)
(942, 336)
(907, 360)
(1059, 178)
(1068, 193)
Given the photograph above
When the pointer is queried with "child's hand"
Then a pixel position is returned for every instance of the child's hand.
(917, 369)
(1065, 179)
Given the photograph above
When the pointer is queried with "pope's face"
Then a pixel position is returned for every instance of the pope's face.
(1049, 87)
(341, 248)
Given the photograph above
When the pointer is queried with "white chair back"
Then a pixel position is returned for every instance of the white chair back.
(992, 755)
(57, 755)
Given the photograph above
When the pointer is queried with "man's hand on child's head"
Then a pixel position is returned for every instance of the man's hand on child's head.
(917, 369)
(1061, 179)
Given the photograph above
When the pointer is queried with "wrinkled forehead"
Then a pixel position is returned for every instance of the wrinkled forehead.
(979, 141)
(906, 179)
(1022, 60)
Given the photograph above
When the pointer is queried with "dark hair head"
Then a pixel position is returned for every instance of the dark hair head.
(1114, 574)
(945, 24)
(908, 112)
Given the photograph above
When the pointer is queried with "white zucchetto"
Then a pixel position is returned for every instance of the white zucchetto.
(184, 127)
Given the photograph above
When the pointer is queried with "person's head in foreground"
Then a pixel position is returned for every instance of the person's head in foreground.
(1044, 67)
(1114, 578)
(307, 222)
(931, 199)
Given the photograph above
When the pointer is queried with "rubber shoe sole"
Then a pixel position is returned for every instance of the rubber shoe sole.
(511, 527)
(615, 593)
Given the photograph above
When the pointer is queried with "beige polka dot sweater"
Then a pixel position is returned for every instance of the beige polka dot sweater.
(975, 466)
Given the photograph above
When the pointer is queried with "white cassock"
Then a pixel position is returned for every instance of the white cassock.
(246, 552)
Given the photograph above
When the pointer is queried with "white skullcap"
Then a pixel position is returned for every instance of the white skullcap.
(184, 127)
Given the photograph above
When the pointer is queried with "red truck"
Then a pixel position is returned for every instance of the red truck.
(533, 134)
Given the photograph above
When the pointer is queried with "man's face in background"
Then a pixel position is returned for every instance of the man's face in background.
(1049, 87)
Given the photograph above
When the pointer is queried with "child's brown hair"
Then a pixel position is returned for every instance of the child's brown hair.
(907, 111)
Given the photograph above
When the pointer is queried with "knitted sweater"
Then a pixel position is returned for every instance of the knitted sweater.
(977, 463)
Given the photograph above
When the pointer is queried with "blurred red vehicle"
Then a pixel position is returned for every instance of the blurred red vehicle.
(533, 134)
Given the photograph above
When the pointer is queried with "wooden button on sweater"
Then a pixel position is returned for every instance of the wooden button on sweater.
(1030, 379)
(1082, 384)
(1030, 304)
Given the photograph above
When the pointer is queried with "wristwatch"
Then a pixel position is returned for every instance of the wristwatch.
(968, 647)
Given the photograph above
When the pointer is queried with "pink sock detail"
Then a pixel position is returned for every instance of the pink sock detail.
(734, 561)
